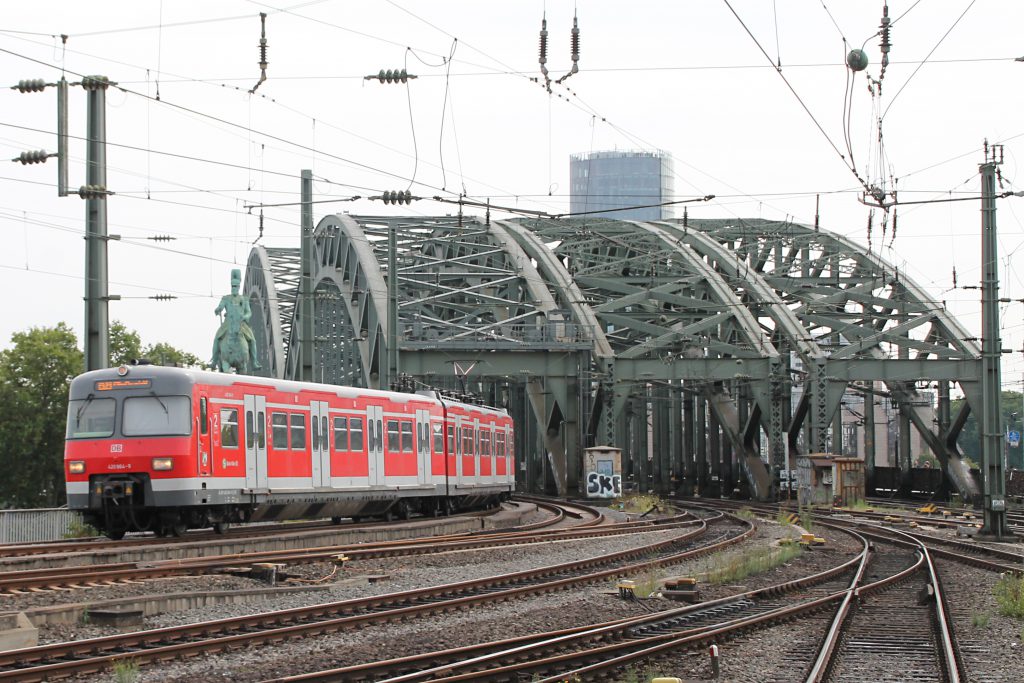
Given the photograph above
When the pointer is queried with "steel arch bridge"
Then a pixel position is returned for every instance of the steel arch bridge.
(690, 345)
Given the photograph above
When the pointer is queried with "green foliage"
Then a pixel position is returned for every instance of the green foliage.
(34, 377)
(637, 674)
(738, 567)
(745, 513)
(126, 670)
(163, 353)
(980, 619)
(125, 344)
(79, 529)
(641, 503)
(1009, 592)
(970, 442)
(806, 519)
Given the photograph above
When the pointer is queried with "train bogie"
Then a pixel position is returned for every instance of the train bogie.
(165, 449)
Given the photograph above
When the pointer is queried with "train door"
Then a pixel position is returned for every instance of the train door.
(476, 450)
(375, 444)
(203, 437)
(320, 443)
(423, 447)
(255, 442)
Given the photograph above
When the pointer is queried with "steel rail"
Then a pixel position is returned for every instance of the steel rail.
(154, 645)
(713, 635)
(449, 662)
(244, 533)
(97, 574)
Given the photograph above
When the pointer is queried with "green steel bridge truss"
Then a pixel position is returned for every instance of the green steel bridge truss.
(690, 346)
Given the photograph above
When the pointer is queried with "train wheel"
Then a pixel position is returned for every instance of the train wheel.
(178, 529)
(221, 527)
(115, 533)
(160, 531)
(335, 520)
(401, 509)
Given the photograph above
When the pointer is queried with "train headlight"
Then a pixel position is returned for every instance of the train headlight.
(76, 467)
(163, 464)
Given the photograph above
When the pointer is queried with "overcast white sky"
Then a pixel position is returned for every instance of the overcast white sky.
(684, 77)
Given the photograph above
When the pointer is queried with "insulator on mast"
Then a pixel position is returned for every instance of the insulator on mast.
(263, 52)
(544, 50)
(886, 43)
(575, 55)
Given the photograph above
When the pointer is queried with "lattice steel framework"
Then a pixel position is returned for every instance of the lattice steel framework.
(689, 346)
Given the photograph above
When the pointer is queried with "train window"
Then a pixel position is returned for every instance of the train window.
(261, 430)
(279, 430)
(356, 434)
(499, 444)
(90, 418)
(157, 416)
(314, 425)
(485, 442)
(325, 439)
(467, 441)
(229, 427)
(298, 432)
(451, 439)
(250, 435)
(341, 433)
(393, 436)
(203, 427)
(406, 436)
(438, 437)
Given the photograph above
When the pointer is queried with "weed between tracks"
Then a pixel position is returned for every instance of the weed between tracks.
(638, 503)
(756, 561)
(1009, 592)
(126, 671)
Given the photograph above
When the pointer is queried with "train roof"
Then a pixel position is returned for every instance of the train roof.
(83, 384)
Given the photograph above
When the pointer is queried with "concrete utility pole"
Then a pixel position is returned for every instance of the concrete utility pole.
(97, 319)
(992, 471)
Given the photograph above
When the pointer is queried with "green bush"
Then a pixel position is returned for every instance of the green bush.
(79, 529)
(1009, 592)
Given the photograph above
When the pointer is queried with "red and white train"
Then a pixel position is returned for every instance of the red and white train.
(167, 449)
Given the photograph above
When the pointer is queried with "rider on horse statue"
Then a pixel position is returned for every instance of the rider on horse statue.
(234, 345)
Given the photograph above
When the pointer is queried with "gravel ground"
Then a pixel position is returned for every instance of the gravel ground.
(559, 610)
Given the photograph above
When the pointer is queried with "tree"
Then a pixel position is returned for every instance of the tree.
(970, 440)
(34, 377)
(163, 353)
(125, 344)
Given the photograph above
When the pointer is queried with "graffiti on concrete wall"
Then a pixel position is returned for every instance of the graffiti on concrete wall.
(603, 485)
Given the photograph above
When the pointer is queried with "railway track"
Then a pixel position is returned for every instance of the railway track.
(536, 656)
(864, 616)
(93, 575)
(90, 656)
(560, 514)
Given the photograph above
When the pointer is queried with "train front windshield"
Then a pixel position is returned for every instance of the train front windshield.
(94, 418)
(91, 418)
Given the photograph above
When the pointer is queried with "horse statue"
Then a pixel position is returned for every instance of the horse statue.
(234, 346)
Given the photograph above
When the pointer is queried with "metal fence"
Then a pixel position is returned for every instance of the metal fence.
(44, 524)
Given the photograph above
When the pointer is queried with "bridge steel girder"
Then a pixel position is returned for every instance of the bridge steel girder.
(595, 323)
(271, 285)
(654, 300)
(857, 306)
